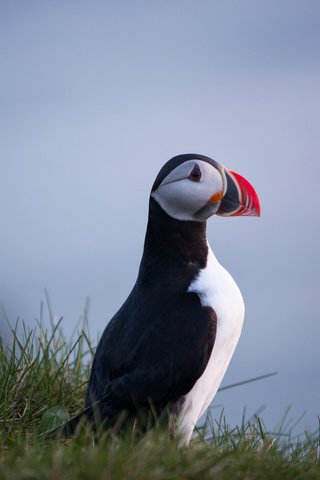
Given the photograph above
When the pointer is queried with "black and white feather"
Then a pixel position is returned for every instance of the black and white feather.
(173, 338)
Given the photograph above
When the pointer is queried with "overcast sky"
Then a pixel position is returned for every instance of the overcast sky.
(96, 96)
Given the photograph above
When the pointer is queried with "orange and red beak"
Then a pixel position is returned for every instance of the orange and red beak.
(239, 197)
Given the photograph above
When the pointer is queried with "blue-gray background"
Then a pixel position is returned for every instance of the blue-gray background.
(96, 96)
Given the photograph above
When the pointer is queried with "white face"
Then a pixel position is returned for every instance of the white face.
(192, 191)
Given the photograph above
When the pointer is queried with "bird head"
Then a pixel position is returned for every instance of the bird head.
(195, 187)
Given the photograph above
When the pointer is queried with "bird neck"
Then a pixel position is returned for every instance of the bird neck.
(173, 243)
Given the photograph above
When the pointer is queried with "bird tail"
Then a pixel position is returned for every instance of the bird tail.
(98, 416)
(72, 426)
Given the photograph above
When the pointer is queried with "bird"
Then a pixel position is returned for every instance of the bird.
(170, 343)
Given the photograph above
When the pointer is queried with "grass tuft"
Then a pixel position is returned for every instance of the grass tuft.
(43, 377)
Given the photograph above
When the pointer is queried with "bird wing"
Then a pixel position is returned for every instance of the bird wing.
(141, 360)
(158, 358)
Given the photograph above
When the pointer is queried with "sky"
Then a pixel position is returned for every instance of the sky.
(96, 96)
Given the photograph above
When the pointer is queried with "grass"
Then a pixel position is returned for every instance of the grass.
(42, 382)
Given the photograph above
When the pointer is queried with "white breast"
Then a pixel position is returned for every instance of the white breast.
(217, 289)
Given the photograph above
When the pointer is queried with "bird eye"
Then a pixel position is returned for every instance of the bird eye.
(195, 174)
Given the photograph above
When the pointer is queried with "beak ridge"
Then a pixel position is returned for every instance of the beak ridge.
(240, 198)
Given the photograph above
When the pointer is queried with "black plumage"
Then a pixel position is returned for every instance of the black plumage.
(159, 342)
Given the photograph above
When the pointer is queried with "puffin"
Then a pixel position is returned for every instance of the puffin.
(169, 345)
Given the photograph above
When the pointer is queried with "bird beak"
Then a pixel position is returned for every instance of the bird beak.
(239, 197)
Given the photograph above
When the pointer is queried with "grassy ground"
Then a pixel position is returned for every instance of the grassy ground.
(42, 382)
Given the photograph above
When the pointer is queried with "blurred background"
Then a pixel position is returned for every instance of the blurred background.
(96, 96)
